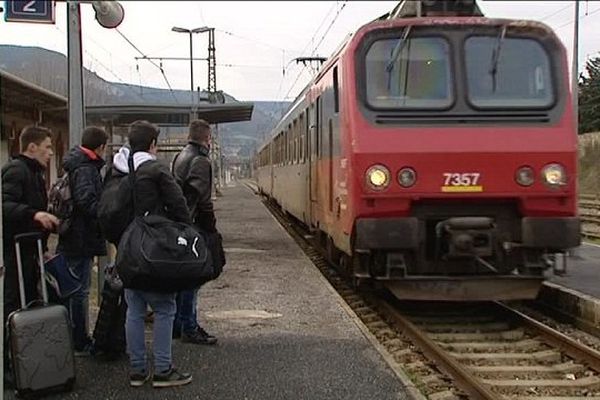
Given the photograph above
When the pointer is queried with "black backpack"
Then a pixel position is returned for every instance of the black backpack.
(115, 209)
(60, 202)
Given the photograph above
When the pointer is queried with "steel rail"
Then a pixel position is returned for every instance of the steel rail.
(567, 345)
(462, 375)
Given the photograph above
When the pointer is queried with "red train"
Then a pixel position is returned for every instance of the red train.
(435, 151)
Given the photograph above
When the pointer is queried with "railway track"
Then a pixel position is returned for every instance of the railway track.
(589, 211)
(456, 351)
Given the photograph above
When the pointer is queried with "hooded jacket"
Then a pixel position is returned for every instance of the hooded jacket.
(84, 238)
(156, 191)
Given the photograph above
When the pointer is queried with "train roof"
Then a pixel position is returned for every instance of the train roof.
(402, 17)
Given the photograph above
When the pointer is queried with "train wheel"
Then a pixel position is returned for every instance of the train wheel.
(332, 253)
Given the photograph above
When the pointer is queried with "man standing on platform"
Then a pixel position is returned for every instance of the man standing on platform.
(193, 172)
(83, 240)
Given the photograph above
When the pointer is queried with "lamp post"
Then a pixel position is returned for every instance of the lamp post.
(191, 32)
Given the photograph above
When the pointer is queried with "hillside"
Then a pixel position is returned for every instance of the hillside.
(48, 69)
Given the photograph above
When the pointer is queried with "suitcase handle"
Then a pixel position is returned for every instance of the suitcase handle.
(37, 236)
(28, 236)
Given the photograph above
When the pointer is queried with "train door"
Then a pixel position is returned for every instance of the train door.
(330, 167)
(314, 117)
(271, 166)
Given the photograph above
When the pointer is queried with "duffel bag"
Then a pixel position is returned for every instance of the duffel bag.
(159, 255)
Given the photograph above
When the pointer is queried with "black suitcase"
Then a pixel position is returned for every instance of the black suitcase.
(39, 335)
(109, 331)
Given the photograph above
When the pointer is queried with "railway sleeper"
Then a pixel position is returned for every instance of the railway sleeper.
(514, 334)
(467, 328)
(524, 372)
(545, 392)
(587, 382)
(526, 345)
(545, 357)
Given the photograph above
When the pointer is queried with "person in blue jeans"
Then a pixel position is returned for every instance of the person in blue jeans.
(81, 239)
(186, 324)
(193, 172)
(156, 192)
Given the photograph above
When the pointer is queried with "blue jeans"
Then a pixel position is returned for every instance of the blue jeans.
(163, 305)
(79, 301)
(186, 318)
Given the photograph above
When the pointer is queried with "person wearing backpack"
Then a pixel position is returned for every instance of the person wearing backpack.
(193, 172)
(156, 193)
(80, 238)
(24, 204)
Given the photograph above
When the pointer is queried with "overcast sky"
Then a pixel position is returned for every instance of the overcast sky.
(255, 40)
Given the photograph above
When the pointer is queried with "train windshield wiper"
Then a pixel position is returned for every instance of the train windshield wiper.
(496, 56)
(396, 52)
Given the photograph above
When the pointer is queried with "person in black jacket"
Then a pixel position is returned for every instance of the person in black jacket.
(83, 240)
(155, 192)
(24, 204)
(193, 172)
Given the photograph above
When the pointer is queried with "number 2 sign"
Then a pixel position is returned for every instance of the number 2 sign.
(36, 11)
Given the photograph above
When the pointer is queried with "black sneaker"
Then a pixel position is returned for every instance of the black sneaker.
(176, 334)
(137, 379)
(199, 336)
(171, 378)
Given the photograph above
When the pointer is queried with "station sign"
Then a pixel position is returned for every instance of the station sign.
(36, 11)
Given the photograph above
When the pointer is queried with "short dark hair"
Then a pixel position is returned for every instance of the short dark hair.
(93, 137)
(33, 134)
(199, 130)
(141, 135)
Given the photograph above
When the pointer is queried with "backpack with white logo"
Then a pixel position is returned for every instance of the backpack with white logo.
(60, 202)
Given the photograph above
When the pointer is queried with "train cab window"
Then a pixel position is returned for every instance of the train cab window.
(409, 73)
(498, 74)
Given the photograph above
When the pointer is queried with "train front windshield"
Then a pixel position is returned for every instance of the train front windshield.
(409, 73)
(405, 72)
(508, 73)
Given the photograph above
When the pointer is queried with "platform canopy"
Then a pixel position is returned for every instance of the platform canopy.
(169, 115)
(18, 96)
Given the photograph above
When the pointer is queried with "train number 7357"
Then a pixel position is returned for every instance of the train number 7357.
(463, 179)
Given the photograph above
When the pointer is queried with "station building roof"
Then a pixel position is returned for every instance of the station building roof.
(170, 115)
(19, 95)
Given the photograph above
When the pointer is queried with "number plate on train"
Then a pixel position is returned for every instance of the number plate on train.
(461, 182)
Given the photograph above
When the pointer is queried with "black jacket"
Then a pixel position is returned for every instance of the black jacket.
(156, 191)
(83, 239)
(193, 172)
(23, 195)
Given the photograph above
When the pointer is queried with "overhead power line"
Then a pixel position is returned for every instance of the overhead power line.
(162, 71)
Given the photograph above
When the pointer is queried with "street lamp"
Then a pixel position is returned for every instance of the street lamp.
(190, 32)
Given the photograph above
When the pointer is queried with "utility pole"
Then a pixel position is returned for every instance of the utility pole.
(75, 74)
(109, 14)
(212, 90)
(575, 69)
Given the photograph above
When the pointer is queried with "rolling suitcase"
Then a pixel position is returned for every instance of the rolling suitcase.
(39, 335)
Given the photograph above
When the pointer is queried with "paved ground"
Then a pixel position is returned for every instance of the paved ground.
(282, 333)
(583, 271)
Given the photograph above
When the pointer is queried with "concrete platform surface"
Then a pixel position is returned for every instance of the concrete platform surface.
(583, 271)
(282, 332)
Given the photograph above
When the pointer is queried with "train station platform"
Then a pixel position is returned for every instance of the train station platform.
(576, 294)
(283, 332)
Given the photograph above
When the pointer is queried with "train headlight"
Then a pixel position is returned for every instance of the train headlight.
(407, 177)
(378, 177)
(554, 175)
(525, 176)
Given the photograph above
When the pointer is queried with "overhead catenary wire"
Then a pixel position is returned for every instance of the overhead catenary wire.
(329, 27)
(107, 69)
(580, 18)
(302, 52)
(162, 71)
